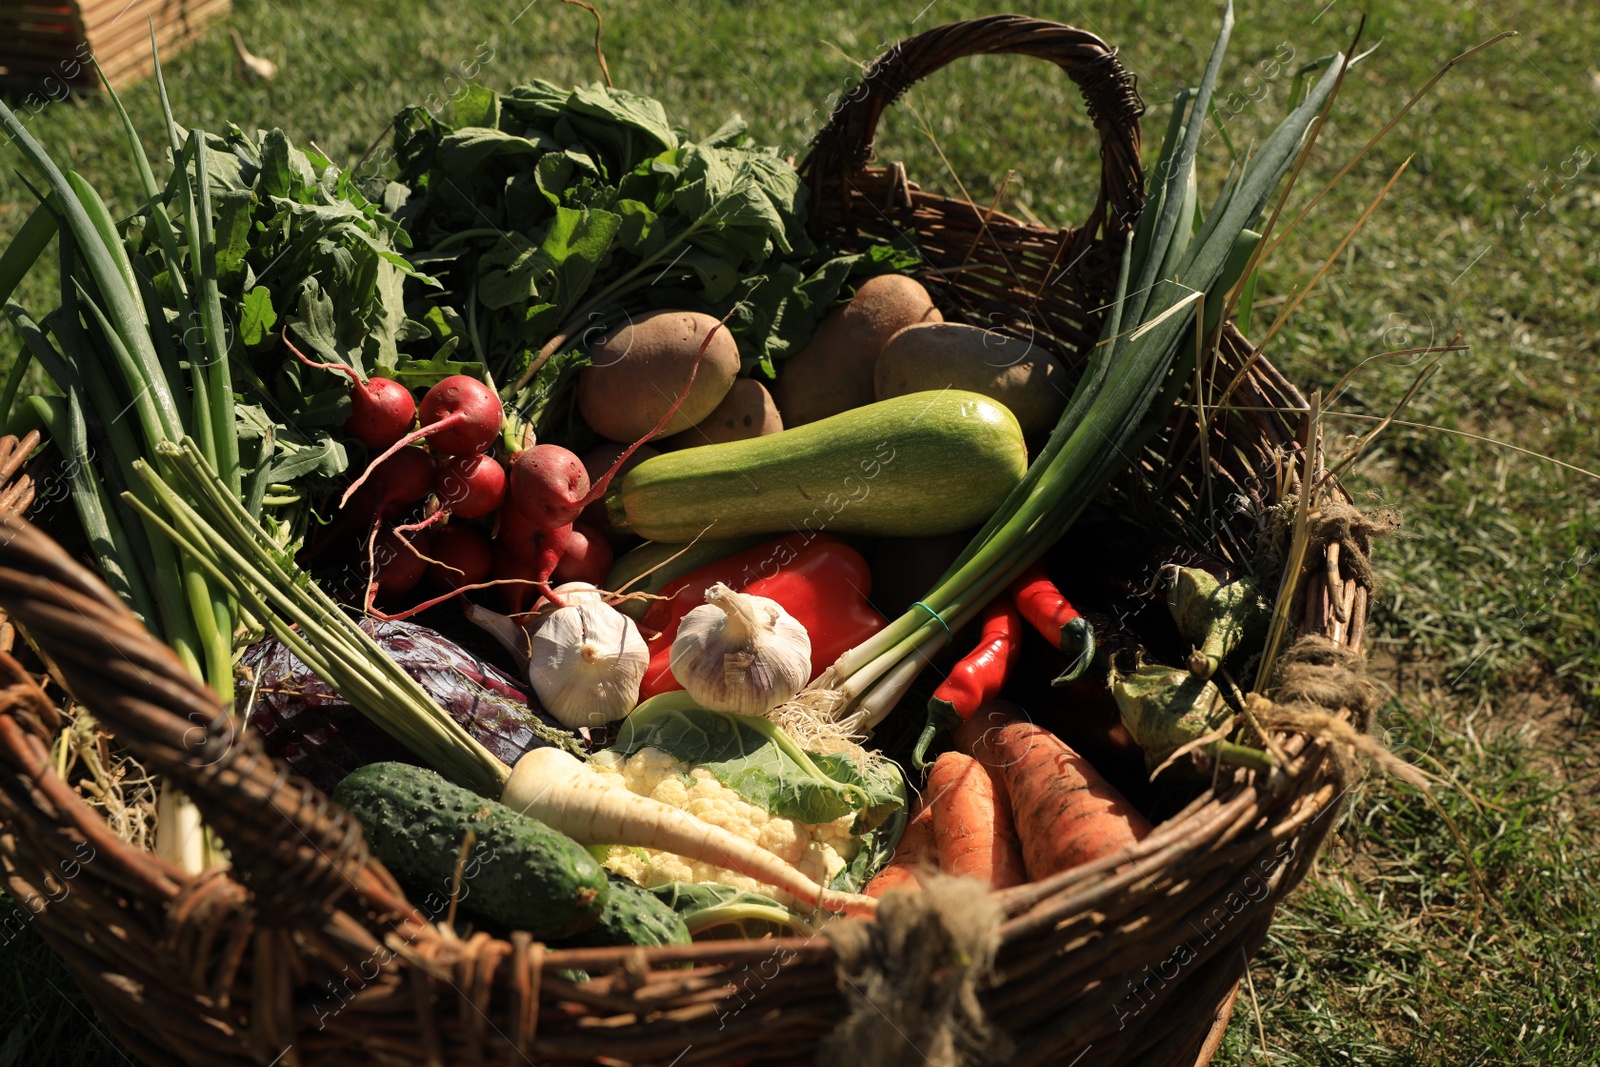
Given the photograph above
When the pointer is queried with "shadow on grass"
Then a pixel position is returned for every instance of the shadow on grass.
(44, 1018)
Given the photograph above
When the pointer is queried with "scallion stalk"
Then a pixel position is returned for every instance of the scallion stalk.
(205, 520)
(1112, 407)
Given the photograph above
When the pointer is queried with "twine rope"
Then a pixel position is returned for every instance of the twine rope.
(911, 979)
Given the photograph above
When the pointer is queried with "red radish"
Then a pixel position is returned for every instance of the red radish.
(549, 486)
(380, 412)
(548, 489)
(396, 484)
(462, 556)
(381, 409)
(397, 565)
(587, 557)
(470, 487)
(461, 414)
(526, 555)
(400, 481)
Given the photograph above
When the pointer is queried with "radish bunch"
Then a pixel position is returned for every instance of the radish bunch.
(549, 489)
(438, 451)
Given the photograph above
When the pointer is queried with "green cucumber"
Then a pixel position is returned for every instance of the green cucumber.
(519, 873)
(915, 465)
(633, 916)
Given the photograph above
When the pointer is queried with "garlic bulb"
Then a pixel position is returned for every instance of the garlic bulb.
(586, 661)
(513, 633)
(570, 593)
(742, 653)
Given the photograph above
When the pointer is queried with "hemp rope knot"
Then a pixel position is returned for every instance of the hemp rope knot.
(911, 979)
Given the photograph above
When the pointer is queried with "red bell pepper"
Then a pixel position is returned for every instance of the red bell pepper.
(820, 580)
(1042, 604)
(980, 675)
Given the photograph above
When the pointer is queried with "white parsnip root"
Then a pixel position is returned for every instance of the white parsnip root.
(567, 795)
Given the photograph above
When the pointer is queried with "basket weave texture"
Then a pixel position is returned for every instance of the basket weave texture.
(307, 951)
(46, 45)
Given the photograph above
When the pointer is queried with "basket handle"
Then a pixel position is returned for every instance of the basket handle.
(844, 146)
(295, 849)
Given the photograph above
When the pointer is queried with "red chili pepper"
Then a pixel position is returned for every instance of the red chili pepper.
(979, 677)
(820, 580)
(1042, 604)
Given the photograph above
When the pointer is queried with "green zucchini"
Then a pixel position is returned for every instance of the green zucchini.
(633, 916)
(916, 465)
(519, 873)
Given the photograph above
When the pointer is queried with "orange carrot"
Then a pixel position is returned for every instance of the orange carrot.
(914, 851)
(1065, 813)
(972, 822)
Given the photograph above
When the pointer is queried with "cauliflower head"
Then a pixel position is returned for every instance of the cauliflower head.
(818, 850)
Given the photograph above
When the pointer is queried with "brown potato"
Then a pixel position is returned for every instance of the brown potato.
(949, 355)
(833, 372)
(747, 411)
(638, 372)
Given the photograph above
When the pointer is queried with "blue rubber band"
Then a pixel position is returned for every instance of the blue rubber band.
(936, 616)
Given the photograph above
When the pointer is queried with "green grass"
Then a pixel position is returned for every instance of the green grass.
(43, 1017)
(1493, 585)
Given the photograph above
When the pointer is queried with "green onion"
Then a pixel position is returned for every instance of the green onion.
(26, 246)
(1114, 404)
(209, 524)
(117, 357)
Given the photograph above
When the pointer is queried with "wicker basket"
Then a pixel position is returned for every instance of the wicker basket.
(46, 45)
(307, 952)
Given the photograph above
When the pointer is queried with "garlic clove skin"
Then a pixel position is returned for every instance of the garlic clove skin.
(569, 593)
(586, 661)
(512, 635)
(740, 653)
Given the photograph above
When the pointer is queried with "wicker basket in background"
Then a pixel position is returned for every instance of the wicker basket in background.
(306, 951)
(46, 45)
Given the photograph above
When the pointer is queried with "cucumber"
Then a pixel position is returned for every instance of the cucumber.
(916, 465)
(519, 873)
(633, 916)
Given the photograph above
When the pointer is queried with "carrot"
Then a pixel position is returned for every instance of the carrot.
(567, 795)
(972, 822)
(1065, 813)
(914, 851)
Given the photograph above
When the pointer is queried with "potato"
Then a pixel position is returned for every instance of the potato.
(747, 411)
(949, 355)
(638, 372)
(596, 462)
(833, 372)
